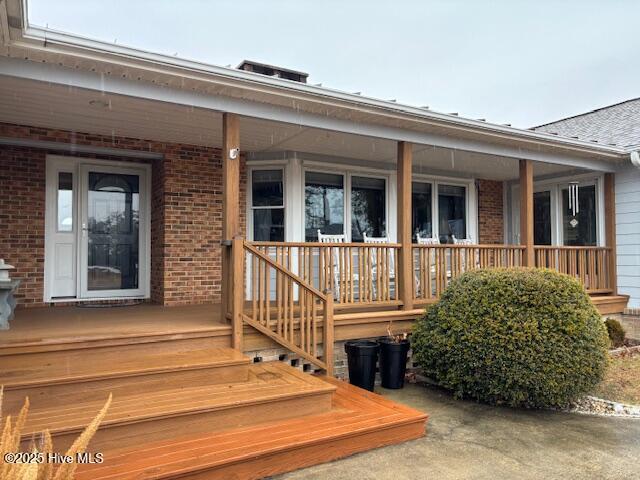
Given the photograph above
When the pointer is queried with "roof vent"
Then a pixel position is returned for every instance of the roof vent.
(272, 71)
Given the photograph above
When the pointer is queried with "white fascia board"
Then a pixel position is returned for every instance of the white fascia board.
(54, 74)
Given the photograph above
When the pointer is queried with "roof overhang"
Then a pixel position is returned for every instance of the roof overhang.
(41, 54)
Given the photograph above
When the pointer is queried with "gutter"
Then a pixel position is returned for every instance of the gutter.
(51, 41)
(634, 156)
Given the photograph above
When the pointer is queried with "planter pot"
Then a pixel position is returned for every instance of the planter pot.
(362, 356)
(393, 362)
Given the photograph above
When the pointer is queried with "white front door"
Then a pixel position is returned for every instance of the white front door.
(97, 237)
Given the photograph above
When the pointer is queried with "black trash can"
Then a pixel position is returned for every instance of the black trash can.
(362, 356)
(393, 362)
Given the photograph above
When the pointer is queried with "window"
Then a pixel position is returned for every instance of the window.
(65, 202)
(421, 209)
(267, 204)
(581, 229)
(323, 204)
(368, 208)
(542, 218)
(452, 217)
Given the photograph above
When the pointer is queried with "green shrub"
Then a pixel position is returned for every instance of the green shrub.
(615, 331)
(521, 337)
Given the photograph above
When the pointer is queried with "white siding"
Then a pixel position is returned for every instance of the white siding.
(628, 234)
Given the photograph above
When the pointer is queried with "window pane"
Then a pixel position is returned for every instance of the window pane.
(421, 209)
(368, 212)
(580, 230)
(542, 218)
(452, 218)
(267, 188)
(113, 214)
(324, 204)
(65, 202)
(268, 225)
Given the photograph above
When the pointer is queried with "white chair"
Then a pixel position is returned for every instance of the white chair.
(465, 241)
(374, 260)
(327, 238)
(335, 260)
(427, 240)
(461, 241)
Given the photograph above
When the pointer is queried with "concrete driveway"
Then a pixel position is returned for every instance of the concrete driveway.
(466, 440)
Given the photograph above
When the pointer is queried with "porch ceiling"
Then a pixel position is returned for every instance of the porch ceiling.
(42, 104)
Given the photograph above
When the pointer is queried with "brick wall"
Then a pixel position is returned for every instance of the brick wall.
(186, 213)
(490, 212)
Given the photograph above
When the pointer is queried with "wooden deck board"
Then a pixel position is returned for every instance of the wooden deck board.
(267, 382)
(357, 422)
(49, 328)
(57, 367)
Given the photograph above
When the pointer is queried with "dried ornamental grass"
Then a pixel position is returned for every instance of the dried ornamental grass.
(10, 443)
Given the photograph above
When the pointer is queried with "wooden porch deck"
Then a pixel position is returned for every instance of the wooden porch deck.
(174, 391)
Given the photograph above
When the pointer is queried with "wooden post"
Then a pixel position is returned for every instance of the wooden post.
(230, 203)
(237, 292)
(327, 332)
(526, 212)
(404, 277)
(610, 228)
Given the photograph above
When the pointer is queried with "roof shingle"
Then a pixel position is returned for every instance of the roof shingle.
(617, 124)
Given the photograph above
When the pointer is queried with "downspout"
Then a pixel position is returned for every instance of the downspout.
(635, 158)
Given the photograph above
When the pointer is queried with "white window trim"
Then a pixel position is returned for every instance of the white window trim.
(57, 163)
(249, 206)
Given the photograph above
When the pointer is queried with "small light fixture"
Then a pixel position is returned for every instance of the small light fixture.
(233, 153)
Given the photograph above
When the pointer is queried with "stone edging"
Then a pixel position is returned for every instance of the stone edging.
(599, 406)
(624, 351)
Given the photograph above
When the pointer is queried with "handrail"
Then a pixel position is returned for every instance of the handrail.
(284, 271)
(454, 246)
(285, 308)
(323, 244)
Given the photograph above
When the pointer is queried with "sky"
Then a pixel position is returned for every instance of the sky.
(510, 61)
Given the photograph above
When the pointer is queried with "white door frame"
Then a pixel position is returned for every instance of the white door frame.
(77, 165)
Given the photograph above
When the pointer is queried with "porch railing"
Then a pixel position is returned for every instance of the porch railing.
(590, 265)
(364, 275)
(436, 265)
(285, 307)
(358, 274)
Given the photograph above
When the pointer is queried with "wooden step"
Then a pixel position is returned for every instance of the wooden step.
(608, 304)
(70, 328)
(358, 421)
(273, 391)
(60, 377)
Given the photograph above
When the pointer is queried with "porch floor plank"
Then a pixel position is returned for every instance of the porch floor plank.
(53, 327)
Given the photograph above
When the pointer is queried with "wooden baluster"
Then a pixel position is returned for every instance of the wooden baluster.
(314, 321)
(292, 314)
(349, 253)
(301, 305)
(268, 294)
(310, 308)
(254, 286)
(327, 333)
